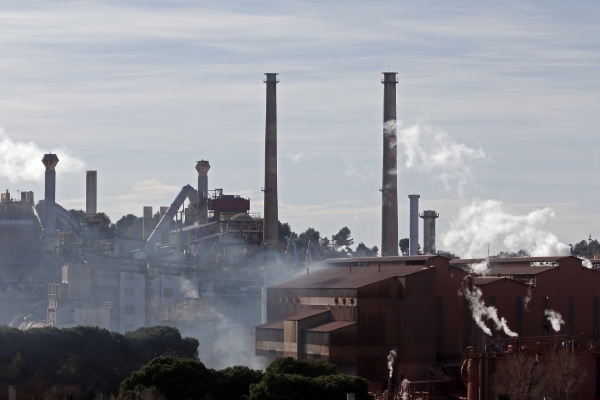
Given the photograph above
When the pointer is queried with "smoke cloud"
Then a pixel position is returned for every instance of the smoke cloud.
(22, 161)
(555, 319)
(586, 263)
(436, 153)
(405, 393)
(481, 268)
(485, 222)
(527, 299)
(481, 312)
(391, 360)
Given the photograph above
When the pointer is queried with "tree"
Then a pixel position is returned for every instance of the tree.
(106, 229)
(586, 248)
(447, 254)
(404, 246)
(343, 238)
(363, 251)
(284, 231)
(130, 227)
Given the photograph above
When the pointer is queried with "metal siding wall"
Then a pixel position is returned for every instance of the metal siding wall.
(571, 315)
(519, 315)
(596, 316)
(439, 325)
(544, 318)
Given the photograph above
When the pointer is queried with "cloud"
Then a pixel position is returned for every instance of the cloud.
(22, 161)
(435, 153)
(485, 222)
(295, 157)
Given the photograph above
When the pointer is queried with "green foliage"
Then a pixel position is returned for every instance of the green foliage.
(130, 227)
(363, 251)
(447, 254)
(106, 229)
(85, 357)
(291, 379)
(586, 248)
(285, 231)
(404, 246)
(234, 383)
(343, 238)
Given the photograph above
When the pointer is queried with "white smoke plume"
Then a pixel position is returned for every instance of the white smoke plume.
(436, 153)
(391, 360)
(481, 268)
(527, 299)
(484, 222)
(481, 312)
(405, 388)
(586, 263)
(22, 161)
(555, 319)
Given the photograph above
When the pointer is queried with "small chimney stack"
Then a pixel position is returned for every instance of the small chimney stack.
(413, 244)
(50, 161)
(389, 189)
(271, 217)
(164, 240)
(148, 222)
(91, 192)
(429, 217)
(202, 167)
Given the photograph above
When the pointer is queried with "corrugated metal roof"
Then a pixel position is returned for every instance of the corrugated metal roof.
(513, 260)
(306, 314)
(483, 280)
(517, 270)
(331, 326)
(342, 278)
(272, 325)
(375, 259)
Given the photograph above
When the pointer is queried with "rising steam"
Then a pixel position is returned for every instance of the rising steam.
(527, 299)
(481, 312)
(405, 393)
(555, 319)
(481, 268)
(391, 360)
(21, 161)
(485, 222)
(435, 152)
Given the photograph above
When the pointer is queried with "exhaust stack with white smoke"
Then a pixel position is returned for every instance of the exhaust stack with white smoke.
(555, 319)
(481, 312)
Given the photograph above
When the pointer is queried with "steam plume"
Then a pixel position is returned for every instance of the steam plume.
(435, 152)
(20, 161)
(586, 263)
(405, 383)
(485, 222)
(527, 299)
(555, 319)
(391, 358)
(480, 312)
(481, 268)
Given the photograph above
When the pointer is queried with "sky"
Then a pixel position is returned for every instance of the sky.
(497, 108)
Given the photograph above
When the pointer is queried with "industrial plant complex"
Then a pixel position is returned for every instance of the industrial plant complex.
(419, 324)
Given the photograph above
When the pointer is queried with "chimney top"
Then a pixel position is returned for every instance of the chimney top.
(271, 77)
(202, 167)
(50, 160)
(414, 196)
(389, 77)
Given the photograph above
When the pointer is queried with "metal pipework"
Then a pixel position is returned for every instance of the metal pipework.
(202, 167)
(50, 160)
(166, 219)
(413, 245)
(148, 222)
(164, 240)
(389, 188)
(429, 217)
(91, 192)
(271, 213)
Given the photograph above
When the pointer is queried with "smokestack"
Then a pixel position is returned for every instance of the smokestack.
(389, 189)
(429, 217)
(50, 160)
(91, 192)
(164, 240)
(148, 222)
(413, 244)
(271, 217)
(202, 167)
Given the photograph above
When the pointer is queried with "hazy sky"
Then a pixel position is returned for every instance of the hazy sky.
(504, 96)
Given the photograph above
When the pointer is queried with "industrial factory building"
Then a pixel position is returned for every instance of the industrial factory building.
(354, 311)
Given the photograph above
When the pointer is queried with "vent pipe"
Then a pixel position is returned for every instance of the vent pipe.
(413, 244)
(50, 160)
(389, 189)
(271, 217)
(91, 192)
(202, 167)
(164, 239)
(148, 222)
(429, 217)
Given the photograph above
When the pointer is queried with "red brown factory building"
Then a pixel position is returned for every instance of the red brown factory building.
(353, 313)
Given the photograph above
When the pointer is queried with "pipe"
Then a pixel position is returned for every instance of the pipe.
(164, 240)
(202, 167)
(148, 222)
(166, 219)
(413, 244)
(429, 217)
(389, 188)
(271, 217)
(91, 192)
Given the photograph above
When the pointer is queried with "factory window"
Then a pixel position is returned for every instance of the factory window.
(168, 292)
(129, 292)
(129, 310)
(129, 327)
(128, 275)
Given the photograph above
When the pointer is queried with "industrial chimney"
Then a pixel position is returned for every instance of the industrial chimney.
(429, 217)
(91, 192)
(389, 189)
(148, 222)
(50, 160)
(202, 167)
(270, 222)
(413, 244)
